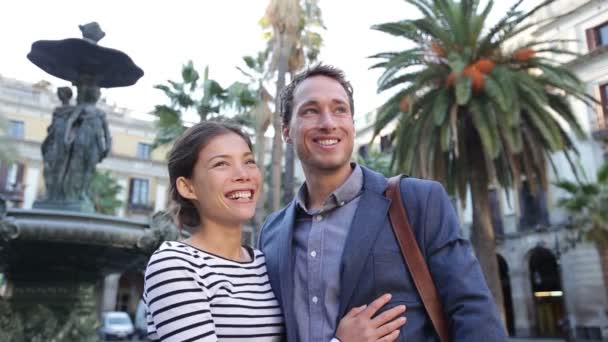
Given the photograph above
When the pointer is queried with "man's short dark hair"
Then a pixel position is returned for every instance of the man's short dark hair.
(286, 105)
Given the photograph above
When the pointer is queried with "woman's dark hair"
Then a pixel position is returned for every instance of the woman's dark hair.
(182, 159)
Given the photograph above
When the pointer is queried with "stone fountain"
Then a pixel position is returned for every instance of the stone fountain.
(53, 258)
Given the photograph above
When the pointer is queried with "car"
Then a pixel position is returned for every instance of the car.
(116, 325)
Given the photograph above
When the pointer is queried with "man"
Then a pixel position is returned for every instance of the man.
(333, 248)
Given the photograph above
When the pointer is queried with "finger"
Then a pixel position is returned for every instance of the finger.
(390, 327)
(390, 337)
(355, 311)
(376, 305)
(388, 315)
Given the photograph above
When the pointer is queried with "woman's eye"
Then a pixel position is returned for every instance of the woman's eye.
(251, 162)
(222, 163)
(309, 111)
(341, 110)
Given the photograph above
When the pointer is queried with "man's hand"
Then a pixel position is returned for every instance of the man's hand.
(359, 326)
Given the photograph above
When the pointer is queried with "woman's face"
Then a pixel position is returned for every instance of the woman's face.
(225, 182)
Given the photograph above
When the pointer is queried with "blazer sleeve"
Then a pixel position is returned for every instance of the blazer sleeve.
(468, 303)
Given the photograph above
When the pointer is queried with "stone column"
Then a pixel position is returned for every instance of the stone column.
(521, 292)
(110, 291)
(32, 175)
(123, 196)
(161, 197)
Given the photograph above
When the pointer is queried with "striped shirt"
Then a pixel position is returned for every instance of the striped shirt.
(193, 295)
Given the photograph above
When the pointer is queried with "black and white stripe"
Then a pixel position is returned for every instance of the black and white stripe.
(192, 295)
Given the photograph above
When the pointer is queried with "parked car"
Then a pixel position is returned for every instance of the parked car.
(116, 325)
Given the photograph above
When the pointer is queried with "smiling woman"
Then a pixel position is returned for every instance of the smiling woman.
(209, 287)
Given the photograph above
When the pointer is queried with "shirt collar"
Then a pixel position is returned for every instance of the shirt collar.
(342, 195)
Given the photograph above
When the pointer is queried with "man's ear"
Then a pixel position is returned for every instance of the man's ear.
(286, 136)
(185, 188)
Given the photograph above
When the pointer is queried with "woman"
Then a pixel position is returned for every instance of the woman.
(209, 287)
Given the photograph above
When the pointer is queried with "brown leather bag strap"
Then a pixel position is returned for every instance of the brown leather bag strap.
(414, 260)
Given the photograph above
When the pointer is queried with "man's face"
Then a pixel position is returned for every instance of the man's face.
(321, 128)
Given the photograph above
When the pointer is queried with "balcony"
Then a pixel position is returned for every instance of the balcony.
(600, 132)
(140, 208)
(13, 192)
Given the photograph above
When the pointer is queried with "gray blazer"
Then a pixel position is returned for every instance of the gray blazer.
(372, 263)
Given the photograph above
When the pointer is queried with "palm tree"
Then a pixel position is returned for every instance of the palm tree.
(104, 192)
(262, 115)
(283, 16)
(204, 98)
(472, 113)
(294, 42)
(7, 150)
(587, 203)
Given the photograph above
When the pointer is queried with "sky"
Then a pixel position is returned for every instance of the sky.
(160, 36)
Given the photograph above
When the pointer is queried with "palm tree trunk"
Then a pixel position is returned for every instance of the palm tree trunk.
(289, 173)
(260, 145)
(277, 145)
(603, 251)
(482, 236)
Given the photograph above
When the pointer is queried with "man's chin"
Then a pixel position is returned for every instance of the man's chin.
(328, 166)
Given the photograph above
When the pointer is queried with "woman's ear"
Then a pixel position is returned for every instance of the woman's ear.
(184, 188)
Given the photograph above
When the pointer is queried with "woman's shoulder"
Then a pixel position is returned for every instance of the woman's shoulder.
(174, 252)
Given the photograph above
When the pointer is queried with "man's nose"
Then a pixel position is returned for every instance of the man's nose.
(327, 120)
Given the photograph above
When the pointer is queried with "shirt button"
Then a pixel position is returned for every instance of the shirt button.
(318, 218)
(342, 203)
(315, 299)
(313, 254)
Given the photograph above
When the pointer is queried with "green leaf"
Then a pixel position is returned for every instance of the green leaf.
(441, 107)
(463, 90)
(494, 91)
(602, 175)
(490, 140)
(456, 63)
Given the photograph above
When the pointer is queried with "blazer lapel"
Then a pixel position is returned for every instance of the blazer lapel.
(370, 217)
(286, 269)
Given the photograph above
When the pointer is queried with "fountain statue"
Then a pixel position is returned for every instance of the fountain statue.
(78, 137)
(54, 258)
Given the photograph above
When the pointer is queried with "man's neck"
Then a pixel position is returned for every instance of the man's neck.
(321, 183)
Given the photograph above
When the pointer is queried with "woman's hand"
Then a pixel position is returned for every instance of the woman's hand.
(359, 326)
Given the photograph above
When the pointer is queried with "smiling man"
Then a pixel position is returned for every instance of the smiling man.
(333, 248)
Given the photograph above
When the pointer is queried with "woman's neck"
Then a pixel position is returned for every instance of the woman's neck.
(221, 240)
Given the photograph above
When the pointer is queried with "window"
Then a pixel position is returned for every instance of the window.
(143, 151)
(385, 143)
(533, 208)
(139, 190)
(11, 177)
(496, 212)
(604, 101)
(16, 129)
(363, 152)
(597, 36)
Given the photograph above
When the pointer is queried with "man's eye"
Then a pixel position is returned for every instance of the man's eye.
(251, 162)
(309, 111)
(341, 110)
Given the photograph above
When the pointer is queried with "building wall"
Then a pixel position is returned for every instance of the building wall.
(33, 105)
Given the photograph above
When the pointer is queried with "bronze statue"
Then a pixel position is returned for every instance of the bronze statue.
(78, 137)
(87, 140)
(54, 151)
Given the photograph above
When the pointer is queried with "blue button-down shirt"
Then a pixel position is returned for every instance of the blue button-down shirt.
(319, 238)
